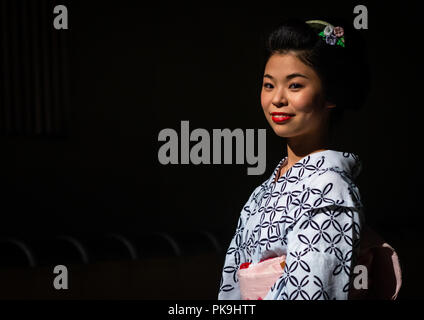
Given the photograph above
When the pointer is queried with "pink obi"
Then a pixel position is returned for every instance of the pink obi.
(383, 267)
(257, 279)
(380, 259)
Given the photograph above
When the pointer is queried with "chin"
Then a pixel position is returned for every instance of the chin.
(281, 133)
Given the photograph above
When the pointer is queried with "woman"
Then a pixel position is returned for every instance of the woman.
(298, 235)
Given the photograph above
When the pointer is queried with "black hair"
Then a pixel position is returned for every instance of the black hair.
(344, 71)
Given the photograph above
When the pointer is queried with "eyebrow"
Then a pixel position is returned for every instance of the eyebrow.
(288, 77)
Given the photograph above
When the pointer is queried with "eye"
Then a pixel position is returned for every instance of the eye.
(268, 86)
(295, 86)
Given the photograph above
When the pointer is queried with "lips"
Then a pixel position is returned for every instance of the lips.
(280, 117)
(282, 114)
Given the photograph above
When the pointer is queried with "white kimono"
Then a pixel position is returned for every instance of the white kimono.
(313, 214)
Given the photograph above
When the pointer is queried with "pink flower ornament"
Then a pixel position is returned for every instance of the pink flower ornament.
(338, 32)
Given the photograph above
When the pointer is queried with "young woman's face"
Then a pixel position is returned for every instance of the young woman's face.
(292, 87)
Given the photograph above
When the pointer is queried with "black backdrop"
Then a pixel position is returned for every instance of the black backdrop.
(133, 70)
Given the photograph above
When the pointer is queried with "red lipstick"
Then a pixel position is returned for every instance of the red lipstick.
(280, 117)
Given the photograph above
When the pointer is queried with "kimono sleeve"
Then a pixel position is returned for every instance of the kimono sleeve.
(322, 248)
(229, 287)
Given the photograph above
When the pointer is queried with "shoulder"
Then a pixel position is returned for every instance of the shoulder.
(260, 189)
(331, 175)
(331, 186)
(255, 197)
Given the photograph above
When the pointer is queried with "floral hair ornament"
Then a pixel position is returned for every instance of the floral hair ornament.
(331, 34)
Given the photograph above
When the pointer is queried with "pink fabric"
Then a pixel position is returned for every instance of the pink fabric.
(380, 259)
(256, 280)
(384, 272)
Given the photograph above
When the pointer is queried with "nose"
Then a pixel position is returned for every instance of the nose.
(279, 100)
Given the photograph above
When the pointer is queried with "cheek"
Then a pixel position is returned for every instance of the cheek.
(266, 99)
(306, 102)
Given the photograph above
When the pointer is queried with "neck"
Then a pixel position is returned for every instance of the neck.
(301, 146)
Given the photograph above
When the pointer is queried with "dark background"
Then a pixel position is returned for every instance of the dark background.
(126, 71)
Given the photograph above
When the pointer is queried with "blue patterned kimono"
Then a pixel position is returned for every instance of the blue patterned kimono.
(313, 214)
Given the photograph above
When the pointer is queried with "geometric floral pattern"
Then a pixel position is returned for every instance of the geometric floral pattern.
(313, 214)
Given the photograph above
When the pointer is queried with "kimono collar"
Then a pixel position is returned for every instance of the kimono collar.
(344, 163)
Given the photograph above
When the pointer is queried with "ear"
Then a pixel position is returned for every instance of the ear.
(330, 105)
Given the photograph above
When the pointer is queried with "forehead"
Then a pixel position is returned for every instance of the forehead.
(281, 65)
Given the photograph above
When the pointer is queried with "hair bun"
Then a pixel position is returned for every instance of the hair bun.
(335, 50)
